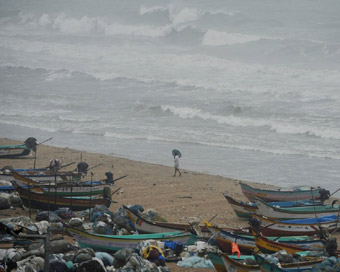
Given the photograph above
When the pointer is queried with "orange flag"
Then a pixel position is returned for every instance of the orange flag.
(235, 249)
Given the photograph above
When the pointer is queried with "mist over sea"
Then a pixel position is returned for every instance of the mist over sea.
(245, 89)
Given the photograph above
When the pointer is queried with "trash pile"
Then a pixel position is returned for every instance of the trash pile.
(29, 240)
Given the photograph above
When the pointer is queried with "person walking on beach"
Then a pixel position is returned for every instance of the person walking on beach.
(176, 164)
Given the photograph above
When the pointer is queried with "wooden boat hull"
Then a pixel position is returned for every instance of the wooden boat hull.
(217, 261)
(270, 246)
(282, 228)
(280, 195)
(40, 201)
(232, 264)
(42, 176)
(247, 243)
(242, 210)
(144, 226)
(7, 151)
(276, 213)
(267, 266)
(116, 242)
(236, 266)
(60, 190)
(245, 210)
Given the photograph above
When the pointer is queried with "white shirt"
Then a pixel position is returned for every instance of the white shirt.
(176, 160)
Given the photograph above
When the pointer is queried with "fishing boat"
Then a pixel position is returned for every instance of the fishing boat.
(216, 259)
(309, 226)
(235, 264)
(40, 175)
(7, 151)
(42, 201)
(99, 242)
(270, 246)
(143, 225)
(62, 189)
(232, 263)
(247, 244)
(244, 210)
(277, 213)
(282, 194)
(267, 266)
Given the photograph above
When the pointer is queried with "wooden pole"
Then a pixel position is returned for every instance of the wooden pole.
(311, 190)
(90, 196)
(35, 158)
(29, 200)
(71, 195)
(47, 252)
(55, 189)
(48, 203)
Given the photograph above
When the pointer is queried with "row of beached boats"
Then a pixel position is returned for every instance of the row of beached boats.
(51, 190)
(298, 227)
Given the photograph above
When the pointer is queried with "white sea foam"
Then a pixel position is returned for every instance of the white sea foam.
(88, 25)
(58, 75)
(218, 38)
(145, 10)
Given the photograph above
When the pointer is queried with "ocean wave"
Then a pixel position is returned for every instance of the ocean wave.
(58, 75)
(292, 151)
(146, 10)
(218, 38)
(312, 131)
(36, 125)
(275, 125)
(29, 113)
(89, 25)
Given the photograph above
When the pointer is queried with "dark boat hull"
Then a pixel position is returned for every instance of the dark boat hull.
(49, 202)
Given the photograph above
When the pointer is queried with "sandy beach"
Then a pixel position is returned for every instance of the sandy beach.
(177, 199)
(153, 186)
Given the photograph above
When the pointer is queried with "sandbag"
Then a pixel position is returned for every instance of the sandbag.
(47, 216)
(15, 200)
(31, 264)
(4, 203)
(58, 266)
(56, 227)
(83, 254)
(75, 222)
(60, 246)
(123, 255)
(65, 213)
(101, 228)
(106, 258)
(94, 265)
(136, 262)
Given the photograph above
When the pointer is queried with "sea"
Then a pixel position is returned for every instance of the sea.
(244, 89)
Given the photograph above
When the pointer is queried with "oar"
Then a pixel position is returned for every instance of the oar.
(334, 192)
(45, 141)
(63, 166)
(94, 166)
(212, 218)
(115, 191)
(66, 165)
(120, 178)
